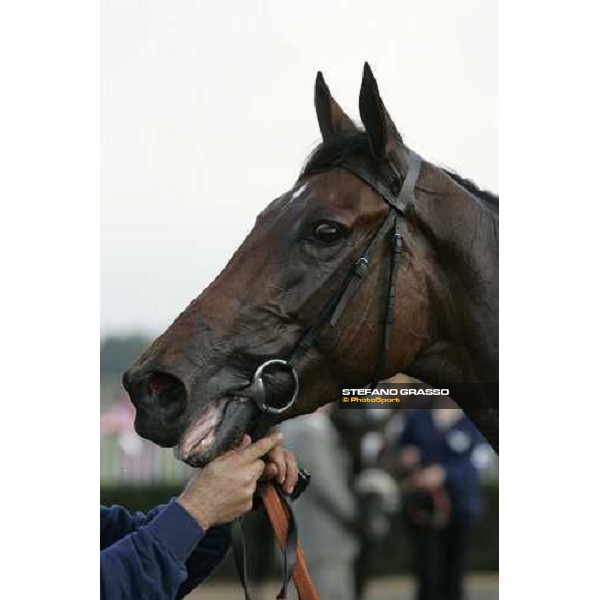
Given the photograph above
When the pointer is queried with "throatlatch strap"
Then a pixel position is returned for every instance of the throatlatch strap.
(390, 309)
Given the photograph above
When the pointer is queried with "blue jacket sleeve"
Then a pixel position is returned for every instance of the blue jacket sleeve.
(206, 557)
(116, 522)
(158, 556)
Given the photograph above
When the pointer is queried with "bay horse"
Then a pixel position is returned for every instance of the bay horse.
(189, 386)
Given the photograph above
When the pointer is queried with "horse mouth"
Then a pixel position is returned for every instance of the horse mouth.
(221, 424)
(218, 428)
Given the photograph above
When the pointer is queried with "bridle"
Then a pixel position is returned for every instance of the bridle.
(393, 228)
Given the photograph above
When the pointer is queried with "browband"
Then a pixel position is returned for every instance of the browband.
(401, 201)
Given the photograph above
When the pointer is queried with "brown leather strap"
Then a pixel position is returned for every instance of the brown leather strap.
(279, 517)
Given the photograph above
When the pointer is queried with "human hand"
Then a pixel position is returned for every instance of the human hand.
(281, 464)
(223, 489)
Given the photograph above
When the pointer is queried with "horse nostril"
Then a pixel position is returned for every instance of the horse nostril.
(156, 392)
(161, 382)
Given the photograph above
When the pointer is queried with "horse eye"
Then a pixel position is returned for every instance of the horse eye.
(327, 232)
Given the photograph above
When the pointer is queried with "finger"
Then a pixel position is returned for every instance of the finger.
(292, 472)
(277, 458)
(270, 472)
(225, 454)
(261, 447)
(258, 469)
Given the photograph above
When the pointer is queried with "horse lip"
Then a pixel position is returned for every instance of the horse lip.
(219, 427)
(201, 428)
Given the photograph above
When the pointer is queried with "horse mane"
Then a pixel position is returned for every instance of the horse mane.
(490, 199)
(356, 144)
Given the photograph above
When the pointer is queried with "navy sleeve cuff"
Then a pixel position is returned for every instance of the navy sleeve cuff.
(177, 530)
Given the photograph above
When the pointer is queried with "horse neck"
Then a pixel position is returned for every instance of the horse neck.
(463, 233)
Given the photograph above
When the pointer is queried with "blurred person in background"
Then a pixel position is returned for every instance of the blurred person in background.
(377, 494)
(327, 512)
(345, 510)
(167, 552)
(441, 453)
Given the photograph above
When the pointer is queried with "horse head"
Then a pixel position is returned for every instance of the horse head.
(190, 386)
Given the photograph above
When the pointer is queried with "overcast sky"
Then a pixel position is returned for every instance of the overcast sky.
(207, 115)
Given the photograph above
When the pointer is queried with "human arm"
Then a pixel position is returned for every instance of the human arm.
(149, 561)
(168, 549)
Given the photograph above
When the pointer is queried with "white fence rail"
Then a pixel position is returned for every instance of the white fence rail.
(127, 459)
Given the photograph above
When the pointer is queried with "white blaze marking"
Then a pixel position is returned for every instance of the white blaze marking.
(298, 192)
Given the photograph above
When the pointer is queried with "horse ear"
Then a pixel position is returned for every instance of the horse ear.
(332, 119)
(379, 126)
